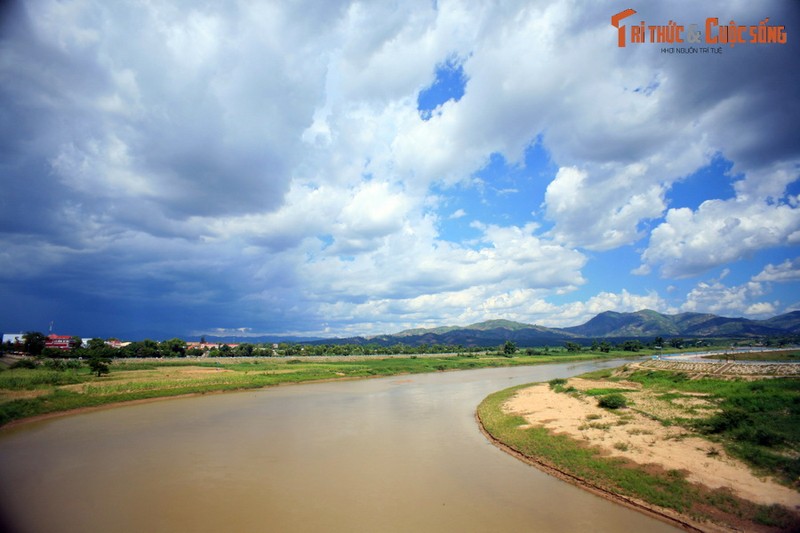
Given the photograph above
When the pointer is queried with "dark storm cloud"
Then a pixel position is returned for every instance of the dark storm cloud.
(114, 108)
(754, 84)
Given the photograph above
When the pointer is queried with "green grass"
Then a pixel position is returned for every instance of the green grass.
(603, 392)
(30, 379)
(756, 421)
(668, 489)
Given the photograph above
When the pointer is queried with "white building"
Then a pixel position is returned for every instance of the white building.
(13, 338)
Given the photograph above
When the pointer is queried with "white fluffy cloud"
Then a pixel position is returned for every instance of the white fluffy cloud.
(413, 263)
(718, 232)
(715, 297)
(601, 215)
(787, 271)
(267, 161)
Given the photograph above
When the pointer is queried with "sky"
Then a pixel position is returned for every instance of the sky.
(336, 168)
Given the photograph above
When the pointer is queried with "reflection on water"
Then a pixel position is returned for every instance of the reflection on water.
(392, 454)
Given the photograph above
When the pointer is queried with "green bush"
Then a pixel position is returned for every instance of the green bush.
(558, 385)
(27, 362)
(55, 364)
(727, 419)
(612, 401)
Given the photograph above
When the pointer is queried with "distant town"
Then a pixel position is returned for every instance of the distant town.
(66, 346)
(36, 343)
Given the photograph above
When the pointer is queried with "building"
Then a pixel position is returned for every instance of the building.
(208, 346)
(13, 338)
(116, 343)
(61, 342)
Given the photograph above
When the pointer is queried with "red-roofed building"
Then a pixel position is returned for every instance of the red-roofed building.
(61, 342)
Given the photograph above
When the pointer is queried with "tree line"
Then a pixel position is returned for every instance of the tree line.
(34, 344)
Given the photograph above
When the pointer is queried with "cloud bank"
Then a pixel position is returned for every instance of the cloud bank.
(179, 167)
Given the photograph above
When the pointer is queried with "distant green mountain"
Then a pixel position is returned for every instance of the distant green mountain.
(501, 324)
(647, 323)
(423, 331)
(644, 324)
(789, 321)
(488, 333)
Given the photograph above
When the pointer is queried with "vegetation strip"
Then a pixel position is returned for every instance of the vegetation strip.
(668, 492)
(50, 386)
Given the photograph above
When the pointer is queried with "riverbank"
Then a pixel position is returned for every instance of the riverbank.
(649, 455)
(26, 393)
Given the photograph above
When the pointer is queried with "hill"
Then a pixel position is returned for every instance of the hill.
(645, 324)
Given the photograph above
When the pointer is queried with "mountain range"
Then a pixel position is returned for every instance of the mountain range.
(645, 325)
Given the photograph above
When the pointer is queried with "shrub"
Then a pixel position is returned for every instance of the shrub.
(25, 363)
(55, 364)
(612, 401)
(726, 420)
(557, 385)
(99, 365)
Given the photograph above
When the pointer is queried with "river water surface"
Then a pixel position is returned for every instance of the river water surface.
(401, 453)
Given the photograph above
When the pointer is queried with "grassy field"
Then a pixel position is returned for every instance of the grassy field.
(31, 392)
(757, 421)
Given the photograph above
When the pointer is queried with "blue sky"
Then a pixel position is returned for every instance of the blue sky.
(344, 168)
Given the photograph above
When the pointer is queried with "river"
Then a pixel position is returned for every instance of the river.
(401, 453)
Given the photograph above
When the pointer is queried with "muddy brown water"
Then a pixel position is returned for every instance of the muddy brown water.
(392, 454)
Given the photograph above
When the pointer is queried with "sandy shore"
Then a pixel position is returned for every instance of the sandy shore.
(643, 440)
(635, 435)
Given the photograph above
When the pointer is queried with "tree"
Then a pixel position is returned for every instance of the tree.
(632, 346)
(99, 365)
(145, 348)
(96, 344)
(33, 342)
(572, 346)
(244, 350)
(98, 348)
(173, 348)
(509, 348)
(53, 353)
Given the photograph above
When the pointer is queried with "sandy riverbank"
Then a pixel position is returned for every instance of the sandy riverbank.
(634, 435)
(643, 440)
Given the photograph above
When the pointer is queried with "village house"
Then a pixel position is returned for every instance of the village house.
(61, 342)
